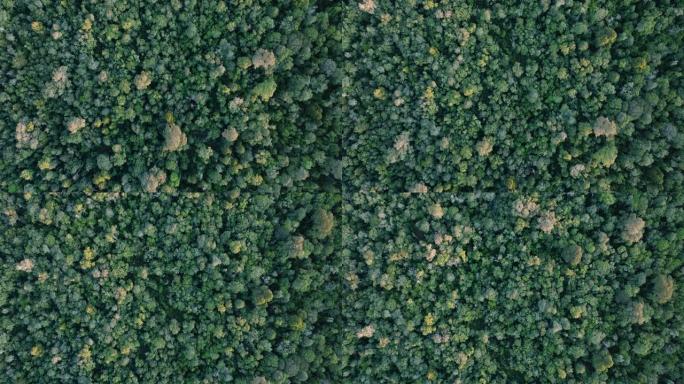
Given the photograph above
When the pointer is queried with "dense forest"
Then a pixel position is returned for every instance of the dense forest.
(364, 191)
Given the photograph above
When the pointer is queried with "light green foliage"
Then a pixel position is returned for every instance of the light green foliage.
(602, 361)
(572, 254)
(323, 223)
(663, 288)
(265, 89)
(606, 155)
(262, 296)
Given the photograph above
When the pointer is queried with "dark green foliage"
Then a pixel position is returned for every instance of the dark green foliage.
(112, 79)
(500, 304)
(141, 288)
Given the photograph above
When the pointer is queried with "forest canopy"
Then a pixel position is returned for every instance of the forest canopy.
(362, 191)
